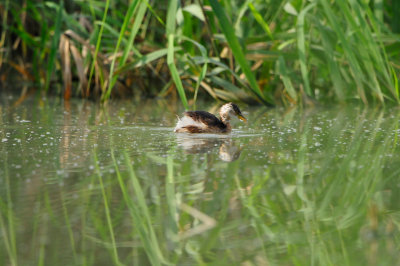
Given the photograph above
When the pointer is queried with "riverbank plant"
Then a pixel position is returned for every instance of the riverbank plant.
(272, 52)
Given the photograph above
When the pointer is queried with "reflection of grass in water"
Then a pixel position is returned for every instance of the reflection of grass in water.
(329, 211)
(141, 216)
(107, 210)
(333, 199)
(68, 224)
(8, 233)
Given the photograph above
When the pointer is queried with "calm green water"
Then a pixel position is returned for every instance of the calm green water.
(82, 184)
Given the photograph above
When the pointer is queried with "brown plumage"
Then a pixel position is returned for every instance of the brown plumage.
(205, 122)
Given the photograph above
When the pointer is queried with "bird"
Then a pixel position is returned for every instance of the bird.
(205, 122)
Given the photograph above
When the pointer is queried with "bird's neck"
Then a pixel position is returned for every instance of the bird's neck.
(225, 119)
(228, 127)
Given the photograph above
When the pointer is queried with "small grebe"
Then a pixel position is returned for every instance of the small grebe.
(204, 122)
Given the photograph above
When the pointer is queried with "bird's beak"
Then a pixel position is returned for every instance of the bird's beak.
(242, 118)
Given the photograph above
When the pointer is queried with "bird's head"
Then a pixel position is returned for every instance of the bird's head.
(231, 109)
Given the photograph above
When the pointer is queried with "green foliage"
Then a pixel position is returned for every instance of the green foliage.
(272, 51)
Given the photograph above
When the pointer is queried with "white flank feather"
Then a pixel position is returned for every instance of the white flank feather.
(188, 121)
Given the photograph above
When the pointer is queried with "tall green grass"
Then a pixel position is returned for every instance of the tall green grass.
(270, 51)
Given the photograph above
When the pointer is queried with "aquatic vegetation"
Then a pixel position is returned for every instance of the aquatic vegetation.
(273, 52)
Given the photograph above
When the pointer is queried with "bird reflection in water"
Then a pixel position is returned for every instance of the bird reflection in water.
(227, 149)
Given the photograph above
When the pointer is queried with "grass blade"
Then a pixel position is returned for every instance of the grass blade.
(137, 23)
(283, 72)
(4, 30)
(237, 50)
(260, 20)
(99, 36)
(54, 46)
(396, 83)
(203, 72)
(348, 51)
(170, 30)
(302, 47)
(174, 71)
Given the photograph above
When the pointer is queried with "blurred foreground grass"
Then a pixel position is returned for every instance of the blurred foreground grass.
(273, 52)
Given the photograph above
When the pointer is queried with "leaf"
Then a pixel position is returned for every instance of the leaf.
(66, 65)
(79, 66)
(289, 8)
(195, 10)
(145, 59)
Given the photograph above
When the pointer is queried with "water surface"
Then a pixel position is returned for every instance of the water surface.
(85, 184)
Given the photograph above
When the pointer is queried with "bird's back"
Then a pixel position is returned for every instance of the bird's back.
(200, 122)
